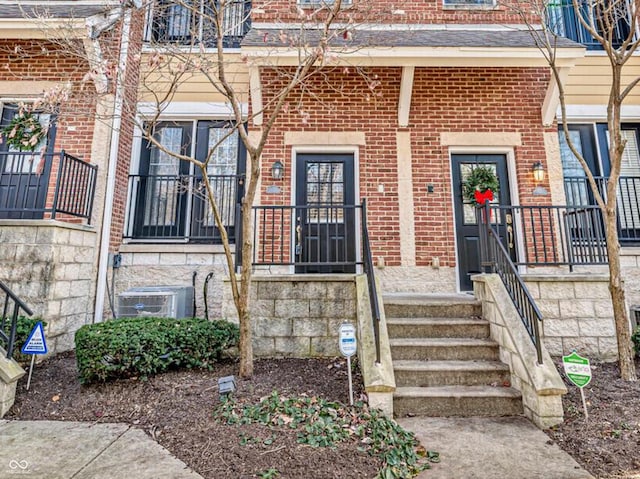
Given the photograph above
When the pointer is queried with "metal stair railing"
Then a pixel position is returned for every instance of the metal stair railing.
(494, 256)
(9, 318)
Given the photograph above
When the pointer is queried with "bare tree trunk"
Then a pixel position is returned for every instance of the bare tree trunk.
(616, 289)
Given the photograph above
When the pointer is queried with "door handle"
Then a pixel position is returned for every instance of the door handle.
(298, 237)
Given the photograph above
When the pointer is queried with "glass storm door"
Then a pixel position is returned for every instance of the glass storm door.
(325, 230)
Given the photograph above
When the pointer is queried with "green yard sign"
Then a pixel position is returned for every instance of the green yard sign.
(577, 368)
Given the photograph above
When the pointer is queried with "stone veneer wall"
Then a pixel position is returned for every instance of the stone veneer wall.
(577, 313)
(173, 265)
(297, 315)
(630, 263)
(50, 265)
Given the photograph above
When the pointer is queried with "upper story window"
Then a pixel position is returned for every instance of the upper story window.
(563, 20)
(469, 4)
(319, 3)
(187, 22)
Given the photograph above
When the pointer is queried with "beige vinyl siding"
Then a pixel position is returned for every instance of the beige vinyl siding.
(192, 87)
(589, 80)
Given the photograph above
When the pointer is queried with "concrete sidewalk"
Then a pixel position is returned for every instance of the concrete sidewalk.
(470, 448)
(492, 448)
(80, 450)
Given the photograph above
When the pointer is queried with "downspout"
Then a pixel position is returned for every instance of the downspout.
(103, 261)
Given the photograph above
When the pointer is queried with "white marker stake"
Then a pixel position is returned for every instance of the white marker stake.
(348, 343)
(33, 361)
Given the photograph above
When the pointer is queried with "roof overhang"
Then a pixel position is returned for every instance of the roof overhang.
(30, 19)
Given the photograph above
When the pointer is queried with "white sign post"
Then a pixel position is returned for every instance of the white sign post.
(348, 345)
(35, 344)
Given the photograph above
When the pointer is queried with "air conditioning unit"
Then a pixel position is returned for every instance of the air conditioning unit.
(159, 301)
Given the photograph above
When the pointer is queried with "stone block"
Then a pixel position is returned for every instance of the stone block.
(576, 308)
(603, 308)
(264, 347)
(534, 288)
(145, 259)
(628, 261)
(64, 342)
(76, 238)
(273, 289)
(291, 308)
(556, 290)
(608, 348)
(272, 327)
(293, 346)
(7, 397)
(584, 346)
(554, 346)
(8, 253)
(61, 289)
(199, 259)
(310, 327)
(518, 369)
(55, 327)
(332, 309)
(81, 288)
(172, 259)
(17, 235)
(263, 308)
(324, 347)
(596, 327)
(592, 290)
(53, 309)
(560, 327)
(340, 290)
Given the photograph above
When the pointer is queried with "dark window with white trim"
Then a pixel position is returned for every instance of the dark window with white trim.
(169, 200)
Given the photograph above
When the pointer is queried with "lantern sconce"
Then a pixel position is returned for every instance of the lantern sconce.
(538, 172)
(277, 170)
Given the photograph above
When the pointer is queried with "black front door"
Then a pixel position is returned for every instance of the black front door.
(164, 183)
(465, 216)
(325, 219)
(24, 175)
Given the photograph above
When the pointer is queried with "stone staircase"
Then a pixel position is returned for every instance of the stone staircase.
(445, 363)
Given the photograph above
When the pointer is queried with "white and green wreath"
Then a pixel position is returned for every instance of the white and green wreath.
(24, 132)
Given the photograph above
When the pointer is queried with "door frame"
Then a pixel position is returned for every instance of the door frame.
(330, 150)
(509, 155)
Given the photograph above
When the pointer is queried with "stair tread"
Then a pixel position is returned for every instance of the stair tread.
(449, 365)
(466, 321)
(456, 391)
(420, 298)
(442, 342)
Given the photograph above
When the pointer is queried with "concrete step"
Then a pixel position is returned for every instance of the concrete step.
(451, 373)
(431, 306)
(438, 328)
(457, 401)
(443, 349)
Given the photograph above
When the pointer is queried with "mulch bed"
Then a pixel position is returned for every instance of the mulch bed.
(608, 444)
(177, 408)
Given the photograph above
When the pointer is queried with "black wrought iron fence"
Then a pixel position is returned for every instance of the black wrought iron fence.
(177, 207)
(11, 307)
(551, 235)
(27, 190)
(578, 192)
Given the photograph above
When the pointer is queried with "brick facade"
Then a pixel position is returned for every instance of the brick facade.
(481, 100)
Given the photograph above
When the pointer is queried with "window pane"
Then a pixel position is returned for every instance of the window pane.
(163, 185)
(28, 162)
(629, 185)
(469, 207)
(575, 183)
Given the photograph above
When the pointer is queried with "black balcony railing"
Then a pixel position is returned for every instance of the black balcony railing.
(563, 20)
(28, 191)
(578, 192)
(11, 307)
(189, 22)
(551, 235)
(313, 238)
(177, 208)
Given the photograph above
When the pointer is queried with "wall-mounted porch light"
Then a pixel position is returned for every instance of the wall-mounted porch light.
(538, 172)
(277, 170)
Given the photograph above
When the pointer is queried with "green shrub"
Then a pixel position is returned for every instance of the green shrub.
(145, 346)
(636, 340)
(24, 327)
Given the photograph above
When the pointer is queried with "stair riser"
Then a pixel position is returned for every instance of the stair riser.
(450, 378)
(455, 310)
(478, 331)
(436, 353)
(456, 406)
